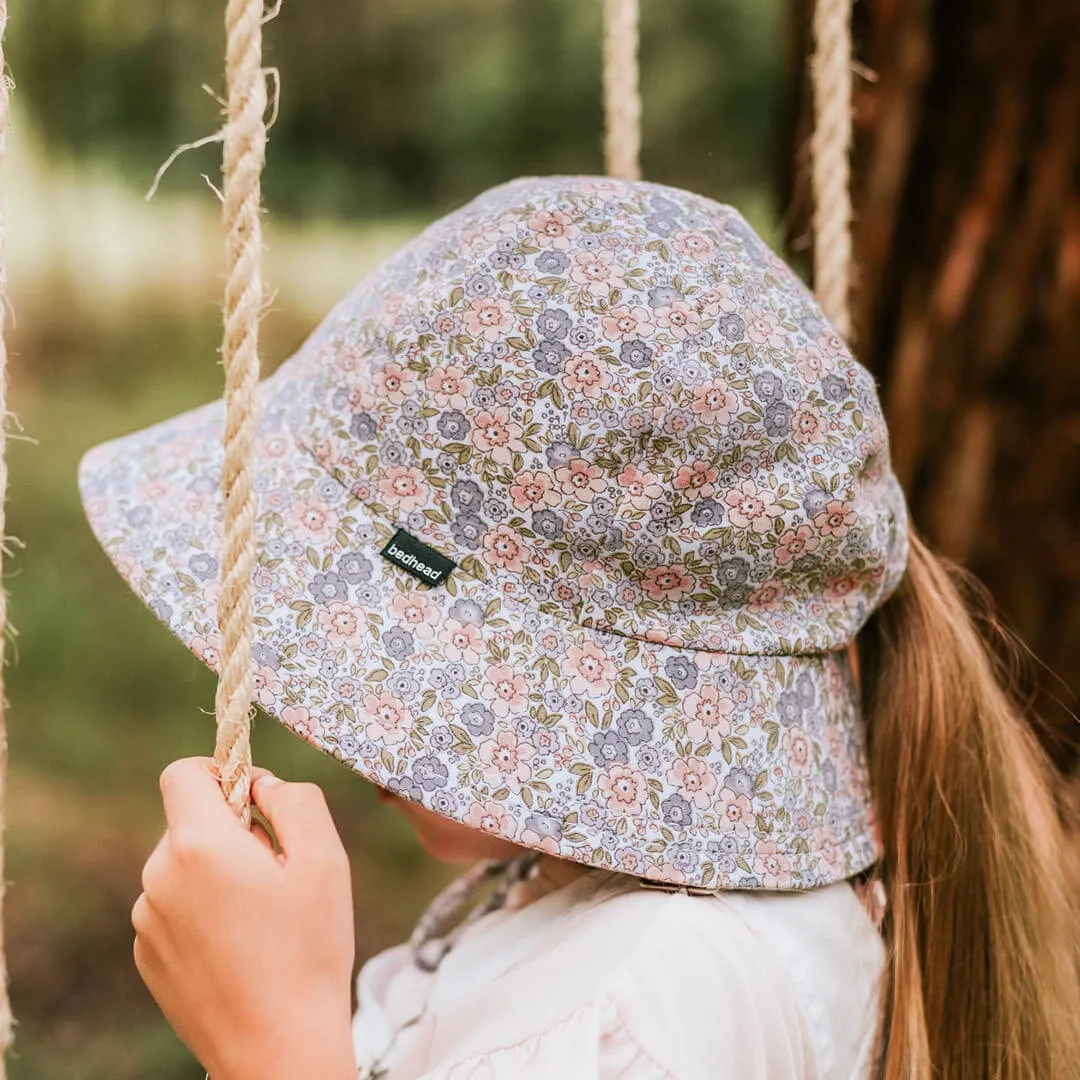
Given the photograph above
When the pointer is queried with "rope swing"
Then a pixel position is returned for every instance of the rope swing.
(622, 94)
(830, 149)
(244, 157)
(6, 1021)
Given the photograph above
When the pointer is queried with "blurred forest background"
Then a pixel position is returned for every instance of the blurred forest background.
(393, 111)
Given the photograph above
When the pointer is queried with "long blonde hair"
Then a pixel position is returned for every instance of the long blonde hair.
(982, 935)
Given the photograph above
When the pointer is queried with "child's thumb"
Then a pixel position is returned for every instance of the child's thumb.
(298, 815)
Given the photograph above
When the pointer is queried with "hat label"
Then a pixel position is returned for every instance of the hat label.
(415, 557)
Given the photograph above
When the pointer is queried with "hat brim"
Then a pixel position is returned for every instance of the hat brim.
(508, 722)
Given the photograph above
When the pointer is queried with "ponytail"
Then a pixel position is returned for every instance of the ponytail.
(982, 938)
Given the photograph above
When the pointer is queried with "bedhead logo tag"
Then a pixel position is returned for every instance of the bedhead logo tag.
(414, 556)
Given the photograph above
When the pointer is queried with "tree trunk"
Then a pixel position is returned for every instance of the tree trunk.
(967, 307)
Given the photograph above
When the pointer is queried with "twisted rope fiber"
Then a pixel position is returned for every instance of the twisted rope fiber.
(6, 1021)
(245, 154)
(830, 148)
(622, 93)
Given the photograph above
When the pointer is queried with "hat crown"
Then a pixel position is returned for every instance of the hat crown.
(613, 402)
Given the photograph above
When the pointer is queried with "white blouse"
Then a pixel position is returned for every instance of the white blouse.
(601, 979)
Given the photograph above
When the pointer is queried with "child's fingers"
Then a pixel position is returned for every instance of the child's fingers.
(193, 799)
(262, 836)
(299, 816)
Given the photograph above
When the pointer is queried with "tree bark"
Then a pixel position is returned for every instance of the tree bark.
(967, 304)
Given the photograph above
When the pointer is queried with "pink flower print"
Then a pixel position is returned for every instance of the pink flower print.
(767, 597)
(628, 324)
(772, 865)
(715, 401)
(208, 650)
(597, 272)
(461, 641)
(404, 486)
(361, 393)
(445, 324)
(629, 862)
(697, 480)
(807, 425)
(591, 670)
(796, 542)
(302, 722)
(312, 521)
(533, 491)
(388, 717)
(694, 245)
(830, 861)
(394, 382)
(800, 753)
(504, 690)
(349, 359)
(494, 433)
(710, 715)
(719, 299)
(751, 507)
(505, 548)
(735, 812)
(623, 789)
(581, 479)
(506, 760)
(489, 816)
(642, 487)
(553, 229)
(450, 386)
(417, 612)
(835, 520)
(489, 317)
(679, 318)
(586, 374)
(267, 686)
(342, 623)
(531, 838)
(694, 779)
(811, 363)
(763, 328)
(670, 582)
(277, 446)
(390, 308)
(843, 588)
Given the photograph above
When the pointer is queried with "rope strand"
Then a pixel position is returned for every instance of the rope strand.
(830, 149)
(622, 93)
(245, 154)
(6, 1021)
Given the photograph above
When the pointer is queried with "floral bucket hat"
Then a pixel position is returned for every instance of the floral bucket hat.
(567, 514)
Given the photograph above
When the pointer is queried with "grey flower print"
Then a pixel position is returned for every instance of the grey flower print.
(203, 566)
(635, 726)
(363, 426)
(467, 530)
(609, 748)
(326, 588)
(453, 425)
(677, 811)
(682, 671)
(430, 773)
(398, 643)
(467, 611)
(479, 719)
(553, 324)
(552, 262)
(549, 356)
(354, 567)
(636, 353)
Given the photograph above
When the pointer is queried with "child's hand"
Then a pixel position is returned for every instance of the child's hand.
(249, 954)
